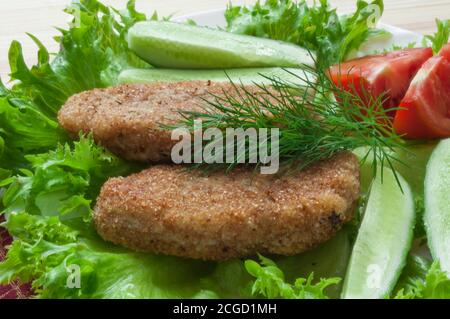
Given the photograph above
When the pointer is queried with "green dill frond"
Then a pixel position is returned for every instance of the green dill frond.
(316, 120)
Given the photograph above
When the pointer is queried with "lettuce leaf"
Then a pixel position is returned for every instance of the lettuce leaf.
(440, 38)
(62, 182)
(47, 250)
(93, 52)
(270, 282)
(422, 281)
(23, 130)
(316, 27)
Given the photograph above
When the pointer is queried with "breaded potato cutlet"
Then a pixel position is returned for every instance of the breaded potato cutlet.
(127, 119)
(170, 210)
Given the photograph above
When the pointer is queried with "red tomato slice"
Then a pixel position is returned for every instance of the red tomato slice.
(445, 51)
(373, 75)
(425, 109)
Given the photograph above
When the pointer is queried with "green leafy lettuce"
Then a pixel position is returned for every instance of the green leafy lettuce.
(436, 41)
(420, 280)
(47, 249)
(23, 130)
(316, 27)
(270, 282)
(93, 52)
(62, 181)
(440, 38)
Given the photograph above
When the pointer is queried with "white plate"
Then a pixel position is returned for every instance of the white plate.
(398, 36)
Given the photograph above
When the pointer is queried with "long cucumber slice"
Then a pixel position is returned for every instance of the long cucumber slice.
(244, 76)
(183, 46)
(383, 241)
(410, 162)
(437, 204)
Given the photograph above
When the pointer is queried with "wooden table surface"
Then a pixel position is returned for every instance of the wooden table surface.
(39, 17)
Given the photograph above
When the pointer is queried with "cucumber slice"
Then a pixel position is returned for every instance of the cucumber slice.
(383, 241)
(415, 159)
(437, 204)
(183, 46)
(411, 165)
(244, 76)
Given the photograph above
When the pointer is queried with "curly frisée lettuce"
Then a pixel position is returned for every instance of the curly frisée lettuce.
(422, 279)
(270, 282)
(316, 27)
(440, 37)
(92, 54)
(24, 129)
(53, 255)
(62, 181)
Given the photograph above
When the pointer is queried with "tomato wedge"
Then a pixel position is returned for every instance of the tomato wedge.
(445, 51)
(373, 75)
(425, 109)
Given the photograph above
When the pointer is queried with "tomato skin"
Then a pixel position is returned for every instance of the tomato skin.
(445, 51)
(425, 109)
(373, 75)
(408, 122)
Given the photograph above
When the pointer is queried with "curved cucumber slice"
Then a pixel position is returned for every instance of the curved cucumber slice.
(183, 46)
(411, 164)
(437, 204)
(244, 76)
(383, 241)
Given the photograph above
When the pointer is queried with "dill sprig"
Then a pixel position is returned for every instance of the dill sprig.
(316, 120)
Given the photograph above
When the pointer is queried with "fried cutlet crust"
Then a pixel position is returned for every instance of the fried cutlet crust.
(170, 210)
(127, 119)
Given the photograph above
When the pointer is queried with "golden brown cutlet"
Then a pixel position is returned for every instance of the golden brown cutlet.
(127, 119)
(170, 210)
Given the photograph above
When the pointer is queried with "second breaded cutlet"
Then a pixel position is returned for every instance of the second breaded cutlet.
(170, 210)
(127, 119)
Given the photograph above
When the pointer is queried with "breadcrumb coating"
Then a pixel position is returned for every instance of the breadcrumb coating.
(170, 210)
(127, 119)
